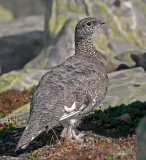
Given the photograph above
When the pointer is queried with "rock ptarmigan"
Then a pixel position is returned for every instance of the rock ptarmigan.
(70, 90)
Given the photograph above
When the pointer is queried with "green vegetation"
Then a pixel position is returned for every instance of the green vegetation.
(6, 129)
(107, 119)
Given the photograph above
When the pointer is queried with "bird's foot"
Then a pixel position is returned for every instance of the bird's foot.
(77, 137)
(66, 134)
(72, 135)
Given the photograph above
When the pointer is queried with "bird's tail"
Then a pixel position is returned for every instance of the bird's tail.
(27, 136)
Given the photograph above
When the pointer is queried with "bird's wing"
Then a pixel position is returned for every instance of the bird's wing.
(84, 88)
(46, 109)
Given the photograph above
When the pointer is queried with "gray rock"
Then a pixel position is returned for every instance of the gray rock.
(22, 8)
(124, 30)
(9, 158)
(133, 59)
(24, 41)
(139, 57)
(20, 79)
(125, 87)
(125, 59)
(61, 50)
(119, 46)
(124, 117)
(121, 33)
(22, 26)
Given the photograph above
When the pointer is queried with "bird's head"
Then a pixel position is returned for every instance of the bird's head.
(86, 27)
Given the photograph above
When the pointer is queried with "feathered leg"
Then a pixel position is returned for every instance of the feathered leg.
(69, 131)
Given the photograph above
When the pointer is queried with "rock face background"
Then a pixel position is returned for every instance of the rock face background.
(23, 8)
(123, 33)
(20, 41)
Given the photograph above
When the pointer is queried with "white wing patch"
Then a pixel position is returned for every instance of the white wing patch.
(95, 100)
(73, 107)
(83, 106)
(32, 138)
(70, 111)
(23, 147)
(65, 116)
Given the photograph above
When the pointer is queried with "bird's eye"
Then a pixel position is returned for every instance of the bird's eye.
(89, 24)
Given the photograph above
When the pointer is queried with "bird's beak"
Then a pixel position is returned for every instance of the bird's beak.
(102, 22)
(99, 23)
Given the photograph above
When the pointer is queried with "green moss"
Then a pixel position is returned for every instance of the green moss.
(27, 66)
(103, 8)
(60, 20)
(5, 14)
(101, 44)
(52, 19)
(62, 5)
(129, 73)
(142, 85)
(24, 109)
(142, 5)
(127, 57)
(18, 80)
(48, 51)
(120, 28)
(57, 19)
(6, 80)
(121, 31)
(72, 23)
(140, 94)
(72, 6)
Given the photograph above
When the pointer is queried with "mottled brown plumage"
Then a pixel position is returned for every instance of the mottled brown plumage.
(70, 90)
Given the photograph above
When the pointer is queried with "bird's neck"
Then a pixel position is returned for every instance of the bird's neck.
(84, 46)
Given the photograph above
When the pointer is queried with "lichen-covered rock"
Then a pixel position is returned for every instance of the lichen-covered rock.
(20, 80)
(141, 144)
(132, 59)
(126, 87)
(124, 30)
(125, 58)
(5, 14)
(63, 49)
(139, 57)
(22, 26)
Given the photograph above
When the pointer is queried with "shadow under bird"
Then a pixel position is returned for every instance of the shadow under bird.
(70, 90)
